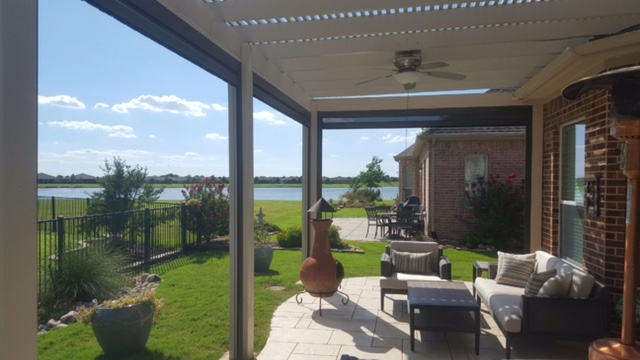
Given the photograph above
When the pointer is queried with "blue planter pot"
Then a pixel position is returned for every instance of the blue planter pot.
(123, 331)
(262, 258)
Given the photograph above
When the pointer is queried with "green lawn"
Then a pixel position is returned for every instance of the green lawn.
(195, 321)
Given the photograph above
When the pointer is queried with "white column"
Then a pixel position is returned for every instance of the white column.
(312, 158)
(18, 176)
(241, 213)
(535, 218)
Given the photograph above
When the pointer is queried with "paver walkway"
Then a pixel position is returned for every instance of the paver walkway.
(356, 229)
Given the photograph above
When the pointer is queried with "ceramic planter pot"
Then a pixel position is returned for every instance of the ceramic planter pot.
(123, 331)
(262, 258)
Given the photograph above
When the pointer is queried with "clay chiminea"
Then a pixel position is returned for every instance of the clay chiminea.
(321, 274)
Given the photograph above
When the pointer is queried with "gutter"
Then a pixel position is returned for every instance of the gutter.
(579, 61)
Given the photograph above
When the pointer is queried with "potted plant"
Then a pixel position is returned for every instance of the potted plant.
(123, 326)
(263, 251)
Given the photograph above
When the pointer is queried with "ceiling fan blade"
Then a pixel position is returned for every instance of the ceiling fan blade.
(374, 79)
(445, 75)
(432, 65)
(409, 86)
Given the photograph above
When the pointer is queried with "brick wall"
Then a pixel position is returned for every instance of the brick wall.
(503, 157)
(603, 235)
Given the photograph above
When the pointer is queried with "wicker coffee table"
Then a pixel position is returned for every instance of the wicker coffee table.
(442, 306)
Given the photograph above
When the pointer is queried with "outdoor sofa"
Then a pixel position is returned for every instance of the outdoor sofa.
(568, 304)
(411, 260)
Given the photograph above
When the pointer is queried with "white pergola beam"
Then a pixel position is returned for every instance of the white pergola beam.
(572, 12)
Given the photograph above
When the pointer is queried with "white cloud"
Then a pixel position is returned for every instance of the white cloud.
(215, 136)
(334, 156)
(101, 106)
(168, 103)
(364, 138)
(268, 117)
(397, 139)
(63, 101)
(152, 137)
(123, 135)
(218, 107)
(89, 126)
(90, 154)
(257, 151)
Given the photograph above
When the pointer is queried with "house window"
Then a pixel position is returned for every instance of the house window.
(572, 192)
(475, 166)
(408, 182)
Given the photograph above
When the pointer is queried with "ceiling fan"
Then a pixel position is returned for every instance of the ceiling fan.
(409, 69)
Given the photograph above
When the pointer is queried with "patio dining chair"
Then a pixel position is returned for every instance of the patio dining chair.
(404, 221)
(372, 219)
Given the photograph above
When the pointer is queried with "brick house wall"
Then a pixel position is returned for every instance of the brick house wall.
(448, 195)
(603, 235)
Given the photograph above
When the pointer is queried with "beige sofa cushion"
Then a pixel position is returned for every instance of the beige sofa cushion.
(515, 271)
(398, 281)
(503, 302)
(503, 255)
(581, 284)
(557, 286)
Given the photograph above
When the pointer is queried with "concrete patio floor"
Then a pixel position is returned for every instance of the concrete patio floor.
(362, 331)
(356, 229)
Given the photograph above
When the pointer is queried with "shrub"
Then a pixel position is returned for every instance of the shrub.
(208, 208)
(334, 238)
(361, 197)
(497, 217)
(95, 272)
(290, 237)
(85, 314)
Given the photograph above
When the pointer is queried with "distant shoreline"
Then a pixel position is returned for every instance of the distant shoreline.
(63, 186)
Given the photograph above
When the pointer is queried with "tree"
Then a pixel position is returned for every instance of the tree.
(124, 188)
(371, 177)
(364, 187)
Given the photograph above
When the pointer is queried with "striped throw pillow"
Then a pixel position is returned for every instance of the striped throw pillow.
(515, 272)
(536, 280)
(408, 262)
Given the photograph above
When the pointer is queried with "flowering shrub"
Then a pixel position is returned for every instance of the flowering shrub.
(208, 208)
(497, 217)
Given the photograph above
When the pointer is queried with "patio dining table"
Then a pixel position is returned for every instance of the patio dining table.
(413, 224)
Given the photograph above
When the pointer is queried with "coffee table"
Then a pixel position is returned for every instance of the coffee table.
(442, 306)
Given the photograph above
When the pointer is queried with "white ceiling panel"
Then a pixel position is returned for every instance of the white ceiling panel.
(325, 47)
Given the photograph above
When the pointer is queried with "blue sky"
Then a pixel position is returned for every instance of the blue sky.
(105, 91)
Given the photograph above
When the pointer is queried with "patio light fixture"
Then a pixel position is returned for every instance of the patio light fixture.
(624, 85)
(407, 77)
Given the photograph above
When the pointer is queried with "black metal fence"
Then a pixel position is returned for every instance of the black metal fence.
(51, 207)
(148, 236)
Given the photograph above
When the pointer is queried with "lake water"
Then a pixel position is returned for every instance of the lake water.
(290, 194)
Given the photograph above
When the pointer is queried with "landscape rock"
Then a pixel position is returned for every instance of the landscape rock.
(69, 318)
(153, 278)
(52, 323)
(61, 326)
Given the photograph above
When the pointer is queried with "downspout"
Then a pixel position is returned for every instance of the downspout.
(432, 186)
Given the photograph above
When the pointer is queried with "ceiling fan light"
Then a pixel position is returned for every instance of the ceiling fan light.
(407, 77)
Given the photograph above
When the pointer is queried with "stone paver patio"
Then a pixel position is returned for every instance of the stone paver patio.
(360, 330)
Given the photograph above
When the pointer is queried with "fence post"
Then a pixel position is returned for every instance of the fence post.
(147, 239)
(60, 242)
(199, 225)
(53, 212)
(86, 210)
(183, 225)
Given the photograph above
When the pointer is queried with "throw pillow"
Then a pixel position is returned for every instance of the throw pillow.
(408, 262)
(515, 272)
(557, 286)
(503, 255)
(581, 284)
(536, 280)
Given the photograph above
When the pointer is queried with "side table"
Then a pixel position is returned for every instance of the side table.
(478, 268)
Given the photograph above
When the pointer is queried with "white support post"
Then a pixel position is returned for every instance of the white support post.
(241, 213)
(312, 158)
(18, 177)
